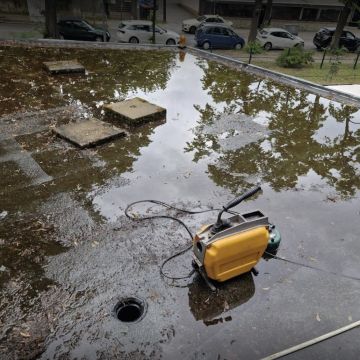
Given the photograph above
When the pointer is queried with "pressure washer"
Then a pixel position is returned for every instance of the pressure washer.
(231, 247)
(227, 248)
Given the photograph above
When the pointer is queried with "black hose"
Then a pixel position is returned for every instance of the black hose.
(311, 267)
(183, 251)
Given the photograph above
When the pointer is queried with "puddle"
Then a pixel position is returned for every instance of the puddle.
(225, 131)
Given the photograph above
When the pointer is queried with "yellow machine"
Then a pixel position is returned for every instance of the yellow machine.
(233, 246)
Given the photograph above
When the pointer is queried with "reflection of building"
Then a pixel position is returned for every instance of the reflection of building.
(209, 306)
(303, 10)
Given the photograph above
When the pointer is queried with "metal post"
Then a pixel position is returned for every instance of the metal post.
(356, 61)
(153, 21)
(164, 11)
(323, 58)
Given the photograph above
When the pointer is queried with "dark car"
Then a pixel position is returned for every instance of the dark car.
(322, 39)
(218, 36)
(79, 29)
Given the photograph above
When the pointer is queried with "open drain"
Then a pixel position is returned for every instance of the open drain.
(130, 309)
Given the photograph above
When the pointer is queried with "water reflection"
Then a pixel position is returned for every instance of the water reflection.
(215, 307)
(291, 150)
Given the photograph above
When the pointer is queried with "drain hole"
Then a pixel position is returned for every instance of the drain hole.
(130, 310)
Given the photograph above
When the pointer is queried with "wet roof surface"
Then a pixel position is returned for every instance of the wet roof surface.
(68, 253)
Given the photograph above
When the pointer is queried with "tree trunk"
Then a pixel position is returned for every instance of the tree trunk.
(267, 15)
(255, 21)
(344, 15)
(50, 18)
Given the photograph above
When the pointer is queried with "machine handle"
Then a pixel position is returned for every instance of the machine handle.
(238, 200)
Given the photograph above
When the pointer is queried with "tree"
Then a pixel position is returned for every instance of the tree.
(255, 20)
(343, 18)
(267, 16)
(50, 18)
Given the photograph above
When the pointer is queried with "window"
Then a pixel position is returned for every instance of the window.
(224, 32)
(329, 15)
(80, 25)
(309, 14)
(142, 27)
(214, 31)
(348, 35)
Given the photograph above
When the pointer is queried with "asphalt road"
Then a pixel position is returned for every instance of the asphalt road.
(175, 16)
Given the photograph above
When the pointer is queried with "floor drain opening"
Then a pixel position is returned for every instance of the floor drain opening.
(130, 310)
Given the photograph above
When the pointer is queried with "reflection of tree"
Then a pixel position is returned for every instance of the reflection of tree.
(342, 153)
(290, 151)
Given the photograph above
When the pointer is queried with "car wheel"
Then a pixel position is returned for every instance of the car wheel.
(170, 42)
(238, 46)
(192, 30)
(268, 46)
(99, 39)
(206, 45)
(134, 40)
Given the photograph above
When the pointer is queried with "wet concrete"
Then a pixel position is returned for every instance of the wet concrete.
(68, 254)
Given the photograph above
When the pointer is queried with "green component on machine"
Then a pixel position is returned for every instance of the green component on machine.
(274, 240)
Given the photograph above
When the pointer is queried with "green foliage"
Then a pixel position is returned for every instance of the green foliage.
(338, 52)
(335, 61)
(295, 58)
(254, 47)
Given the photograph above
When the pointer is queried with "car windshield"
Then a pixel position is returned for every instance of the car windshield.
(160, 28)
(86, 24)
(201, 18)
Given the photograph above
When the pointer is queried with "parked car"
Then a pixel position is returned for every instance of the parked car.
(274, 38)
(191, 25)
(322, 39)
(138, 31)
(80, 29)
(218, 36)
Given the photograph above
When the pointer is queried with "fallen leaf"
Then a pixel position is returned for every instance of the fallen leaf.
(318, 317)
(25, 334)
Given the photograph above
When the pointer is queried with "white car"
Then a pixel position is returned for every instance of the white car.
(276, 38)
(137, 31)
(191, 25)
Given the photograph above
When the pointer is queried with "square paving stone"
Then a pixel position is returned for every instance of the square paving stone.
(89, 133)
(134, 112)
(64, 67)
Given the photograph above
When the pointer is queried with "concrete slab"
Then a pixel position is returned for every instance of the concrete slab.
(64, 67)
(134, 112)
(88, 133)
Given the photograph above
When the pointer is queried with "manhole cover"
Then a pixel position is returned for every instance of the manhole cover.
(130, 310)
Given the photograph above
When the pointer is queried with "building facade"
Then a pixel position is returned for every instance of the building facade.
(299, 10)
